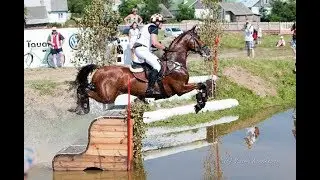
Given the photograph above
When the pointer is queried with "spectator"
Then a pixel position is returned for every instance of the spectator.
(133, 17)
(255, 36)
(29, 160)
(259, 34)
(248, 31)
(252, 135)
(133, 35)
(281, 42)
(293, 42)
(56, 40)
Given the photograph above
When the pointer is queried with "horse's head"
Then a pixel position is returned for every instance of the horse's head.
(195, 44)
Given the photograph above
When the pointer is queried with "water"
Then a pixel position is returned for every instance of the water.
(272, 156)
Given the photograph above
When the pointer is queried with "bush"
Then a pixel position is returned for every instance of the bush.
(98, 24)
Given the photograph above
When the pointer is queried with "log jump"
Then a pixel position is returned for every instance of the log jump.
(107, 147)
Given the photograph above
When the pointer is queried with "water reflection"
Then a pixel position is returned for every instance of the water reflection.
(252, 135)
(212, 162)
(211, 152)
(101, 175)
(294, 123)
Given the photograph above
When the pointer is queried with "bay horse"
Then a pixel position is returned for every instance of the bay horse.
(108, 82)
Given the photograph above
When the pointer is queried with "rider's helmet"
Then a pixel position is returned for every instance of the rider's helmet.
(157, 18)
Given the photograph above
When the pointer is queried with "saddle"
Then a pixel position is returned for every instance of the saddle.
(141, 71)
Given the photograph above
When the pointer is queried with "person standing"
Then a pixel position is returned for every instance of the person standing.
(133, 35)
(56, 40)
(133, 17)
(248, 37)
(259, 34)
(293, 42)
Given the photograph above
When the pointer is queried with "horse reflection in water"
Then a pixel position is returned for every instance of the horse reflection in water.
(294, 123)
(252, 136)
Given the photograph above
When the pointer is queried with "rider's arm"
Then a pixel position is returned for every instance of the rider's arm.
(153, 30)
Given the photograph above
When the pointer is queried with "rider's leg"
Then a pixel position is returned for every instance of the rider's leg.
(61, 57)
(152, 60)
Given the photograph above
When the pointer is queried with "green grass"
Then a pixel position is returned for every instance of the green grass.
(44, 87)
(277, 72)
(235, 40)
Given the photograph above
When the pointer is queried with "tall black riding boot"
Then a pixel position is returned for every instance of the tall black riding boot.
(153, 77)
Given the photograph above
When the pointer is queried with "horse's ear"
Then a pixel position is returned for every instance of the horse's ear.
(196, 29)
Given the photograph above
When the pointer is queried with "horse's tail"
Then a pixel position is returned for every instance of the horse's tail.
(82, 76)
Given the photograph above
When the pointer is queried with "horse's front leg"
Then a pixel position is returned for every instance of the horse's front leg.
(201, 96)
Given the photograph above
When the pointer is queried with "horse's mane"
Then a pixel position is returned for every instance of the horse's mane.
(175, 40)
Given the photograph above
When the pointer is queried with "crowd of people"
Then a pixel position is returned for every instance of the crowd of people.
(253, 36)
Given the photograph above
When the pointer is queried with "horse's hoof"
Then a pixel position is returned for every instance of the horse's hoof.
(86, 111)
(196, 109)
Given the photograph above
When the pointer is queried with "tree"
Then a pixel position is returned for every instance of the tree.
(211, 31)
(264, 14)
(283, 11)
(98, 24)
(166, 3)
(185, 13)
(150, 7)
(78, 6)
(25, 14)
(127, 5)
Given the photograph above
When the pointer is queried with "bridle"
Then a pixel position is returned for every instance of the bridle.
(197, 45)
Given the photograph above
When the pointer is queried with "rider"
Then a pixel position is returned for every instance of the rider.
(149, 37)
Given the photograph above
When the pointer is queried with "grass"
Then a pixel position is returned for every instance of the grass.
(235, 40)
(277, 72)
(44, 87)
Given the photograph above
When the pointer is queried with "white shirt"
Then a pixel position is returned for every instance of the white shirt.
(248, 32)
(133, 34)
(250, 135)
(144, 37)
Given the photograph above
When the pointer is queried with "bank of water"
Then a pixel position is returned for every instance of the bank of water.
(272, 156)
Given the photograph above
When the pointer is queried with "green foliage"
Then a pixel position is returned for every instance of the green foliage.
(276, 72)
(283, 11)
(126, 7)
(185, 13)
(149, 8)
(25, 13)
(210, 31)
(98, 24)
(78, 6)
(264, 14)
(166, 3)
(139, 128)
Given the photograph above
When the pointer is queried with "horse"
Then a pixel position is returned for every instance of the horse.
(110, 81)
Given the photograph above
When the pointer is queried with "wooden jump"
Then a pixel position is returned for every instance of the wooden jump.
(108, 147)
